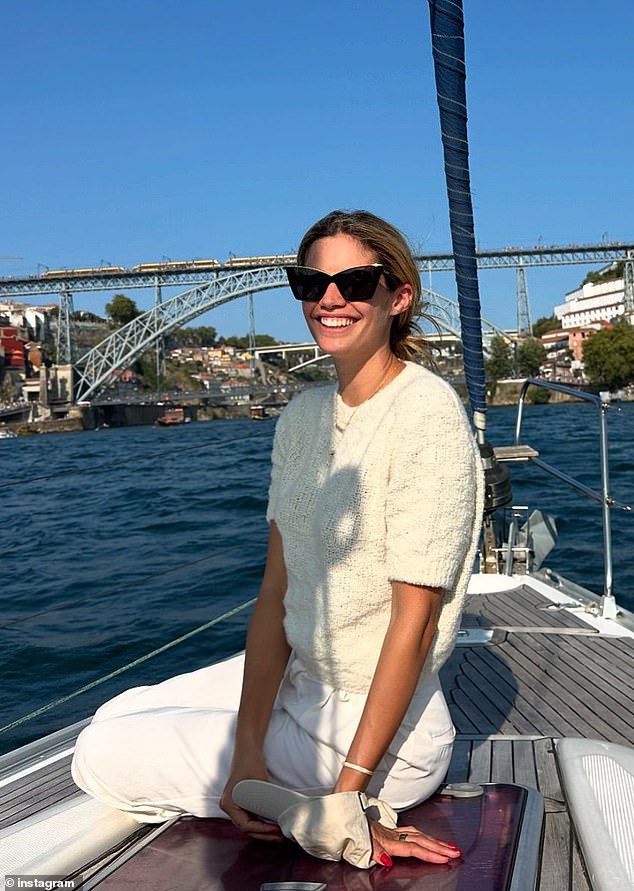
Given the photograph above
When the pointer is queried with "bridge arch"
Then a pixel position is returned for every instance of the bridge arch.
(95, 368)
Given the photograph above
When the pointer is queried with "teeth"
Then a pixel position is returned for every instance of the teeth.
(335, 323)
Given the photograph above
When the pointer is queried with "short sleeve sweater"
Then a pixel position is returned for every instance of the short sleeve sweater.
(391, 490)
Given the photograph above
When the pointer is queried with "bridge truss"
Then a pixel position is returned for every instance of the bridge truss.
(164, 275)
(98, 367)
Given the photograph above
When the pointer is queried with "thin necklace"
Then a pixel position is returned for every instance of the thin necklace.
(341, 425)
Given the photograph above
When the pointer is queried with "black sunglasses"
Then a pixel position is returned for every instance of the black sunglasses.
(358, 283)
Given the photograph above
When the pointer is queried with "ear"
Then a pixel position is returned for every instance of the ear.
(403, 297)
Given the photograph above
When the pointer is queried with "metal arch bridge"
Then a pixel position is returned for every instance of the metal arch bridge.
(98, 367)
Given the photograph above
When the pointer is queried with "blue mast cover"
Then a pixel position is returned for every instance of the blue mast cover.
(447, 27)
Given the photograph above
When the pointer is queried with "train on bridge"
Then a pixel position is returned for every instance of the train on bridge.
(172, 266)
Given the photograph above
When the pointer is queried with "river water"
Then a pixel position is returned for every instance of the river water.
(118, 541)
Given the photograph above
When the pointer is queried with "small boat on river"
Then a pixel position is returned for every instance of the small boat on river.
(172, 417)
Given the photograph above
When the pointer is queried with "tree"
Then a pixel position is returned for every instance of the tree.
(239, 343)
(83, 315)
(242, 343)
(203, 335)
(500, 361)
(613, 272)
(530, 357)
(122, 310)
(264, 340)
(608, 355)
(544, 324)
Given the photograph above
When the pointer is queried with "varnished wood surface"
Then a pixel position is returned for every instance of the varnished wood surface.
(517, 607)
(543, 684)
(28, 795)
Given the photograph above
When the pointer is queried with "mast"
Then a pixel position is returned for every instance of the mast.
(447, 32)
(447, 35)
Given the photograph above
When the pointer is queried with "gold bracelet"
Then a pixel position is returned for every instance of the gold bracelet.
(358, 767)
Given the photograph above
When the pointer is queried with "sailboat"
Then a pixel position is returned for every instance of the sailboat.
(540, 790)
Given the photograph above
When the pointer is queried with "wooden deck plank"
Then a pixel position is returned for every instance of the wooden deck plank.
(522, 678)
(524, 770)
(459, 767)
(547, 776)
(546, 720)
(483, 694)
(611, 659)
(480, 764)
(578, 877)
(460, 718)
(459, 705)
(592, 669)
(530, 718)
(47, 786)
(592, 712)
(593, 672)
(26, 784)
(556, 855)
(519, 606)
(531, 668)
(502, 761)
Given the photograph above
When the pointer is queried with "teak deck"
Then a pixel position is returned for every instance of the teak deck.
(510, 700)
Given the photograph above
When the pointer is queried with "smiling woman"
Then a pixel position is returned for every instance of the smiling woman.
(374, 509)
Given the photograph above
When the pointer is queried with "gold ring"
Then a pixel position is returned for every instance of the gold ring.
(402, 836)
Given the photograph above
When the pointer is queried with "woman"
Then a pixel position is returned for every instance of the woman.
(374, 512)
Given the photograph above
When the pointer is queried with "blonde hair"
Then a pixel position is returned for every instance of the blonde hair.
(391, 249)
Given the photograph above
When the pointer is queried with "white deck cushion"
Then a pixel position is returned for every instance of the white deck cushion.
(62, 838)
(598, 780)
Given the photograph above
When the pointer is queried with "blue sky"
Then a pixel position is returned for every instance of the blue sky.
(142, 129)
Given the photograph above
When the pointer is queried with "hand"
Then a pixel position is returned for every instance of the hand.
(251, 768)
(417, 844)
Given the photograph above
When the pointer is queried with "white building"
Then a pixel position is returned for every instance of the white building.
(593, 302)
(22, 315)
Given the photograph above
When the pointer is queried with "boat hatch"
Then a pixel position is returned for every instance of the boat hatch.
(499, 833)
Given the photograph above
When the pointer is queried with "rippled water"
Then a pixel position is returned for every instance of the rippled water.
(143, 534)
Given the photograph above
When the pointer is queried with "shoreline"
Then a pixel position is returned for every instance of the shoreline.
(505, 394)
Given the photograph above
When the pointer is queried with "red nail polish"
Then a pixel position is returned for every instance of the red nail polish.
(386, 860)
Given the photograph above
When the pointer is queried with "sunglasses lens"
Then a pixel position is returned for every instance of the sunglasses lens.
(307, 284)
(310, 285)
(359, 283)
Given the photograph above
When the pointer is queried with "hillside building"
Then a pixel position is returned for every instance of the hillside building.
(601, 301)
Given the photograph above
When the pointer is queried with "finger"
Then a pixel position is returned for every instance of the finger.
(246, 822)
(380, 855)
(425, 848)
(412, 849)
(267, 837)
(261, 827)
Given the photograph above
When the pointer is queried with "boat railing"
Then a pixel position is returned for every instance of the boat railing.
(602, 496)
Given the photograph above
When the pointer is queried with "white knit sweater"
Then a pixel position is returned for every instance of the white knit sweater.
(389, 491)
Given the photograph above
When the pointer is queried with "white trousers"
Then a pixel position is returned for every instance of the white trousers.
(164, 750)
